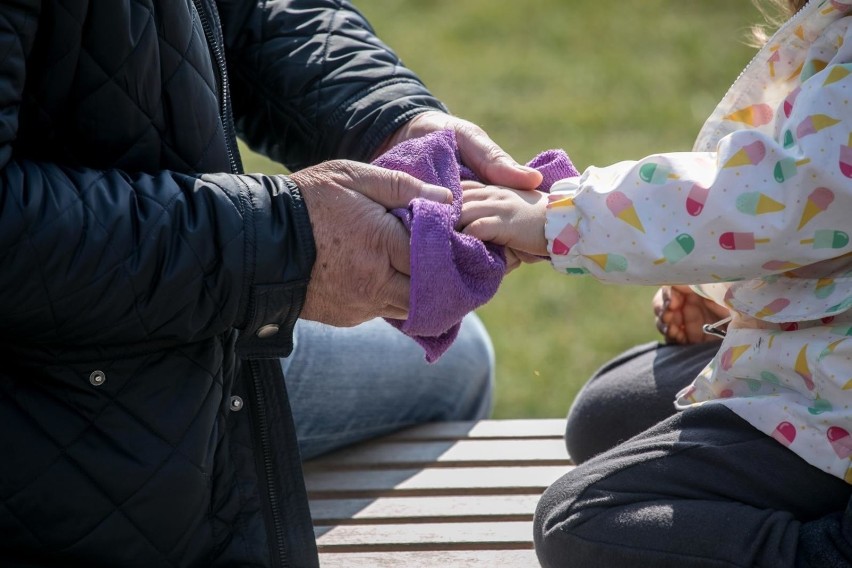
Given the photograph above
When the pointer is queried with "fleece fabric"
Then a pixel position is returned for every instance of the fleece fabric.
(451, 273)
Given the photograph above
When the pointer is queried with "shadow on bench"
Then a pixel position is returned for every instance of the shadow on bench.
(453, 494)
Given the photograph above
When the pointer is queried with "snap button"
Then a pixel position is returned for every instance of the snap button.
(97, 378)
(236, 403)
(268, 330)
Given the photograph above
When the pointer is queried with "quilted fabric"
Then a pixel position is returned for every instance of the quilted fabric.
(133, 250)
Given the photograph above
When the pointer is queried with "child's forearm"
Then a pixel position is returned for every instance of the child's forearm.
(698, 217)
(760, 204)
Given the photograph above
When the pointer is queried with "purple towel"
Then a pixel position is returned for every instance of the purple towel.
(451, 273)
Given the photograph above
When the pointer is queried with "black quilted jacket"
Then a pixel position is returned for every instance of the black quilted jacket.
(142, 422)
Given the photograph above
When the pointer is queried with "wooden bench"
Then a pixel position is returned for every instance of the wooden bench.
(457, 494)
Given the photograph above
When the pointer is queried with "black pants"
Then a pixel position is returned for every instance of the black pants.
(696, 488)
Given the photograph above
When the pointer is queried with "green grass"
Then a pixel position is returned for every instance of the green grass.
(606, 81)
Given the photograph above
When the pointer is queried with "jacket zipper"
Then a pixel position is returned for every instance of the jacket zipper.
(757, 56)
(262, 422)
(263, 438)
(224, 94)
(795, 17)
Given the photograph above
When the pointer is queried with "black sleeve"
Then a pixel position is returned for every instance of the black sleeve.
(103, 257)
(311, 81)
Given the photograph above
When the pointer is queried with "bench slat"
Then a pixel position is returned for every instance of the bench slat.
(433, 481)
(426, 536)
(528, 429)
(463, 453)
(448, 494)
(450, 559)
(471, 508)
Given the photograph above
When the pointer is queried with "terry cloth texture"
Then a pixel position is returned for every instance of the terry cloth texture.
(451, 273)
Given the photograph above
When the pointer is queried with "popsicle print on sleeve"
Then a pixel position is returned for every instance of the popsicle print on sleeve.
(840, 440)
(827, 239)
(733, 240)
(656, 173)
(563, 222)
(787, 168)
(564, 240)
(696, 199)
(677, 249)
(845, 162)
(785, 433)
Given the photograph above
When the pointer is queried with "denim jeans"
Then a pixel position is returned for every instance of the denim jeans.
(351, 384)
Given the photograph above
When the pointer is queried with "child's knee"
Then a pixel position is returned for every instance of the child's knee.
(554, 523)
(576, 522)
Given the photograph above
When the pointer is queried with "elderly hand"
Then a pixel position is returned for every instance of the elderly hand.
(478, 152)
(362, 267)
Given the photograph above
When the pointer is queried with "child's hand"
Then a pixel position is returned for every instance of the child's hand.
(681, 315)
(507, 217)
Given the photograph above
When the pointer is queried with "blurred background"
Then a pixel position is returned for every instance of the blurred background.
(605, 81)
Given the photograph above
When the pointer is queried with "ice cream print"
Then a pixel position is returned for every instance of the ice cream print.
(829, 349)
(772, 308)
(837, 73)
(756, 217)
(814, 123)
(749, 155)
(609, 262)
(780, 265)
(833, 6)
(730, 355)
(752, 115)
(774, 59)
(818, 201)
(622, 207)
(803, 369)
(756, 203)
(824, 287)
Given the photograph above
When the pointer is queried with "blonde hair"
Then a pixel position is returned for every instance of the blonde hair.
(776, 13)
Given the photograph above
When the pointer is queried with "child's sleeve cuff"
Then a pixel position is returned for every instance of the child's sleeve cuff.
(561, 227)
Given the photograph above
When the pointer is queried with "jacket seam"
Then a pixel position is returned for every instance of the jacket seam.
(247, 300)
(302, 223)
(343, 108)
